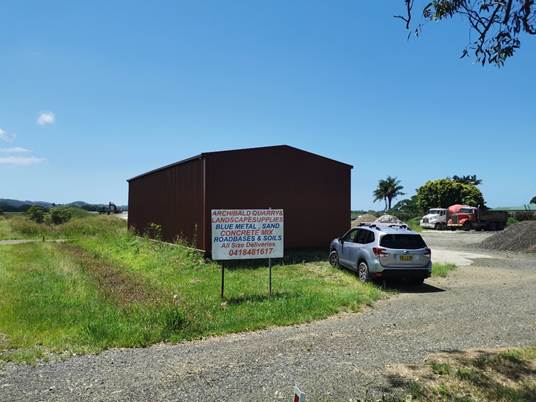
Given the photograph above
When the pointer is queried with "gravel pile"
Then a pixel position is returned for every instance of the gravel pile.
(389, 219)
(518, 237)
(365, 218)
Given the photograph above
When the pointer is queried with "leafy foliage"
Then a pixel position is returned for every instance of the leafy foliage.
(406, 209)
(468, 179)
(387, 190)
(443, 193)
(495, 25)
(36, 213)
(59, 215)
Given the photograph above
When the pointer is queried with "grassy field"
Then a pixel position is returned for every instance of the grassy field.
(492, 375)
(107, 288)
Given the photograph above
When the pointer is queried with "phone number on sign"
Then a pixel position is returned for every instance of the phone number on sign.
(251, 251)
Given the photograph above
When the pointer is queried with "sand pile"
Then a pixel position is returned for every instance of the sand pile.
(518, 237)
(388, 220)
(365, 218)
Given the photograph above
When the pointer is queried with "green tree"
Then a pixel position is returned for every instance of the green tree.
(381, 193)
(59, 215)
(36, 213)
(388, 189)
(467, 179)
(533, 200)
(443, 193)
(496, 26)
(406, 209)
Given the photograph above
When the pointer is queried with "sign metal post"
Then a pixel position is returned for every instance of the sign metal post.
(222, 278)
(270, 276)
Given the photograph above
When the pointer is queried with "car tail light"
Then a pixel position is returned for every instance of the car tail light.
(378, 251)
(428, 252)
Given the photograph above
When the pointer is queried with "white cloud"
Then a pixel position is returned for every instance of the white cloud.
(14, 150)
(20, 160)
(5, 136)
(46, 118)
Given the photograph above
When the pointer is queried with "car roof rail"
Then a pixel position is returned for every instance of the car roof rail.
(399, 225)
(370, 225)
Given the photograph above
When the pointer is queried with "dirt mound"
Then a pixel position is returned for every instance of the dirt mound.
(388, 219)
(365, 218)
(518, 237)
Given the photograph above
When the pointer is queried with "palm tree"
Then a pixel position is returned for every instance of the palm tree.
(388, 189)
(381, 192)
(394, 189)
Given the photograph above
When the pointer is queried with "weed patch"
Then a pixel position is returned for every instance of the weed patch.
(442, 269)
(484, 375)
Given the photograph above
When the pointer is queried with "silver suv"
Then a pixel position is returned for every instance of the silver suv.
(379, 252)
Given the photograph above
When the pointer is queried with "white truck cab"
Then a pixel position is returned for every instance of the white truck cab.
(436, 218)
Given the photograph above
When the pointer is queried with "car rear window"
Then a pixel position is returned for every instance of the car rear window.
(406, 241)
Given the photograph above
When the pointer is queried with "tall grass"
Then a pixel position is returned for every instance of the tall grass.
(20, 227)
(50, 304)
(110, 288)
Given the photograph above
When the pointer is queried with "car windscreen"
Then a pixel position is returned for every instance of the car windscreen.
(402, 241)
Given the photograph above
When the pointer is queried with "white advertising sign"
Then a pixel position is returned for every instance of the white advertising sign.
(247, 233)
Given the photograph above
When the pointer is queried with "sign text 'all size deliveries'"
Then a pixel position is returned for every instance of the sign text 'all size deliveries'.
(247, 233)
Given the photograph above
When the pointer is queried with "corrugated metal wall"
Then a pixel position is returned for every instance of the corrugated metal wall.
(172, 198)
(313, 191)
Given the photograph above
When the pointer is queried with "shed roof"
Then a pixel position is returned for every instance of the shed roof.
(521, 208)
(205, 154)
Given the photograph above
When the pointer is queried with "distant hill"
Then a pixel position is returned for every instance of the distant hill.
(10, 205)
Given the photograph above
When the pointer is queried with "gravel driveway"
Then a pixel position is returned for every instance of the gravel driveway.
(491, 303)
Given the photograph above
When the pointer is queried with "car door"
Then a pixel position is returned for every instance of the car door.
(347, 242)
(356, 251)
(353, 249)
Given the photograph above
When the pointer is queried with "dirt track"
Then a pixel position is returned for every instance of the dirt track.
(488, 304)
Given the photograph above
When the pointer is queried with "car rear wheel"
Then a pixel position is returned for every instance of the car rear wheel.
(363, 272)
(333, 259)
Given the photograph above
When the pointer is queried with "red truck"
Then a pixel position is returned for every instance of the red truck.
(467, 218)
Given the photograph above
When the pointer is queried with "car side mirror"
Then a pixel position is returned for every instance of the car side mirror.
(341, 240)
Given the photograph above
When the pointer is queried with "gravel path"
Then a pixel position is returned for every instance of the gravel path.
(491, 303)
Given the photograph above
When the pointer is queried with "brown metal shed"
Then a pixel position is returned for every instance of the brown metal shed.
(313, 191)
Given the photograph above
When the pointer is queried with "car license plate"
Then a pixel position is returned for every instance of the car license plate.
(406, 258)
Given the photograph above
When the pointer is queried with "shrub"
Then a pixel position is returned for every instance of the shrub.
(36, 213)
(59, 215)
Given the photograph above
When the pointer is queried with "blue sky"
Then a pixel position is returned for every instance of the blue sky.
(126, 86)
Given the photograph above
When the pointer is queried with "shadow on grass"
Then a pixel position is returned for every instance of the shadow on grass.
(257, 298)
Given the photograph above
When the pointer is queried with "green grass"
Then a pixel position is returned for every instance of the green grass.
(108, 288)
(442, 269)
(494, 375)
(414, 224)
